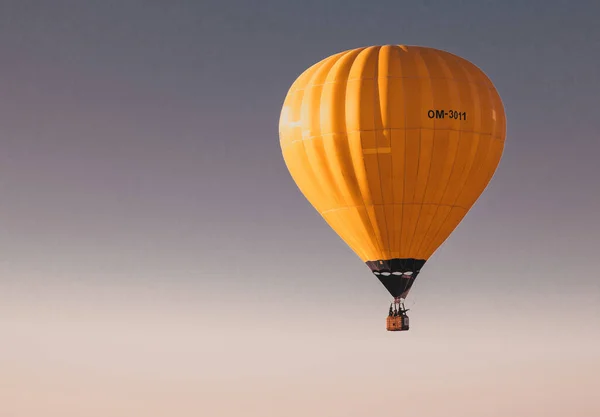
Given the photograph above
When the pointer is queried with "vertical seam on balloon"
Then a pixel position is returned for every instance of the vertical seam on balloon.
(317, 181)
(444, 63)
(377, 244)
(327, 155)
(363, 251)
(404, 105)
(390, 50)
(409, 242)
(428, 169)
(407, 254)
(371, 233)
(354, 237)
(377, 98)
(322, 153)
(377, 108)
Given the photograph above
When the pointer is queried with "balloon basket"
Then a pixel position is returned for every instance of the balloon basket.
(397, 320)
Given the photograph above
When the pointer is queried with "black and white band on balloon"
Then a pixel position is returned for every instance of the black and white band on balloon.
(397, 275)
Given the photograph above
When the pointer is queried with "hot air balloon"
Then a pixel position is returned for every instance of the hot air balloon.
(392, 145)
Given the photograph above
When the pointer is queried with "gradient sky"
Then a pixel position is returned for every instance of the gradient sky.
(156, 258)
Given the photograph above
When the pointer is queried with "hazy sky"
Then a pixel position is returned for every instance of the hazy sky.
(156, 258)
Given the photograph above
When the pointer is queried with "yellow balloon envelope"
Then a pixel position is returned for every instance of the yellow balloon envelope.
(392, 145)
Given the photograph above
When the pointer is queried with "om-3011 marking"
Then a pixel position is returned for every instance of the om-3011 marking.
(451, 114)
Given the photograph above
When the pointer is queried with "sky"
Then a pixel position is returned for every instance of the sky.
(156, 258)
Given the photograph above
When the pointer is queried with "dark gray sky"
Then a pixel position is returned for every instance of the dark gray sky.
(140, 170)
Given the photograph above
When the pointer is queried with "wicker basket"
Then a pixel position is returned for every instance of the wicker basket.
(396, 323)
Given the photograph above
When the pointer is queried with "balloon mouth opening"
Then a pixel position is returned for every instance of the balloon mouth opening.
(397, 275)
